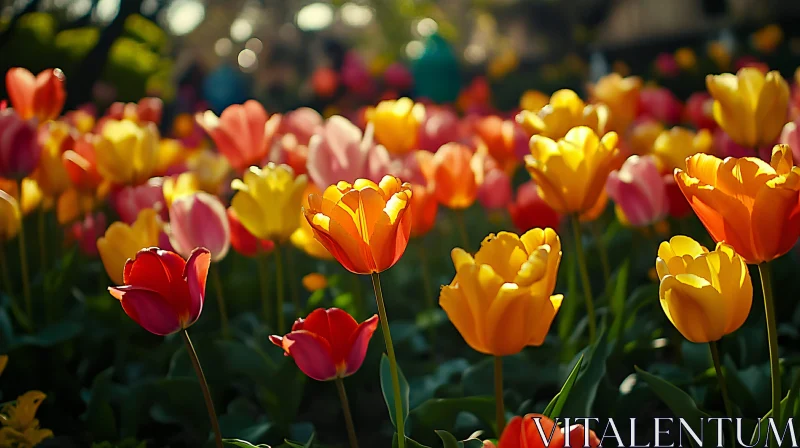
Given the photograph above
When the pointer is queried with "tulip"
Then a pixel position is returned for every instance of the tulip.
(529, 210)
(643, 135)
(750, 107)
(289, 151)
(243, 133)
(565, 111)
(621, 95)
(666, 65)
(147, 110)
(268, 200)
(504, 140)
(791, 136)
(397, 124)
(500, 300)
(80, 163)
(441, 126)
(673, 147)
(747, 203)
(29, 199)
(639, 191)
(456, 174)
(356, 77)
(423, 209)
(706, 295)
(41, 96)
(314, 282)
(19, 148)
(129, 201)
(660, 104)
(122, 241)
(87, 231)
(127, 153)
(182, 185)
(51, 175)
(397, 76)
(10, 218)
(533, 100)
(199, 220)
(245, 242)
(328, 344)
(73, 204)
(210, 168)
(341, 152)
(303, 238)
(686, 58)
(303, 123)
(720, 53)
(171, 155)
(570, 173)
(162, 292)
(495, 192)
(523, 432)
(700, 110)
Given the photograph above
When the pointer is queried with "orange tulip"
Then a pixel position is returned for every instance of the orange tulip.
(745, 202)
(504, 140)
(621, 95)
(423, 209)
(41, 96)
(456, 173)
(81, 163)
(365, 226)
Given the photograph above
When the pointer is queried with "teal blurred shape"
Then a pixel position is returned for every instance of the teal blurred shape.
(436, 73)
(224, 86)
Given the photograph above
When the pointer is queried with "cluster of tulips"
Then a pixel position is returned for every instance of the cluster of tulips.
(357, 190)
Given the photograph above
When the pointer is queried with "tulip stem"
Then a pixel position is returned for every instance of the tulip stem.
(42, 242)
(212, 415)
(263, 277)
(21, 318)
(387, 337)
(279, 279)
(26, 283)
(223, 310)
(348, 417)
(500, 409)
(430, 305)
(462, 229)
(587, 285)
(601, 249)
(723, 387)
(292, 282)
(772, 333)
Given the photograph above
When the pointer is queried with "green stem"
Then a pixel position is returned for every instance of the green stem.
(26, 282)
(500, 409)
(279, 278)
(292, 283)
(772, 334)
(348, 417)
(462, 229)
(42, 239)
(723, 387)
(587, 285)
(223, 310)
(430, 304)
(263, 280)
(387, 337)
(601, 249)
(212, 415)
(22, 319)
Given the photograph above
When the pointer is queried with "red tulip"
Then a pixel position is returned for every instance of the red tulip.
(328, 344)
(397, 76)
(325, 81)
(19, 147)
(129, 201)
(41, 96)
(700, 110)
(86, 233)
(667, 66)
(495, 192)
(441, 126)
(245, 242)
(529, 210)
(147, 109)
(243, 133)
(678, 207)
(524, 432)
(162, 292)
(81, 164)
(660, 104)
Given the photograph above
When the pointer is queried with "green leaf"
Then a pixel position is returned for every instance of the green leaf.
(448, 439)
(409, 443)
(676, 400)
(99, 415)
(50, 336)
(442, 412)
(787, 407)
(583, 392)
(617, 301)
(471, 443)
(557, 404)
(236, 443)
(388, 390)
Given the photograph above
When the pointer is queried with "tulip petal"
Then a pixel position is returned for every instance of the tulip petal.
(512, 435)
(21, 84)
(312, 354)
(358, 344)
(510, 319)
(335, 326)
(148, 308)
(775, 222)
(196, 273)
(505, 253)
(480, 285)
(455, 304)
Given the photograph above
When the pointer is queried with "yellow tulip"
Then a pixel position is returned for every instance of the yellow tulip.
(672, 147)
(20, 428)
(210, 168)
(533, 100)
(571, 173)
(565, 111)
(706, 295)
(184, 184)
(643, 136)
(686, 58)
(303, 238)
(122, 241)
(170, 153)
(10, 216)
(268, 201)
(51, 175)
(74, 204)
(397, 124)
(500, 300)
(127, 153)
(750, 107)
(621, 95)
(31, 197)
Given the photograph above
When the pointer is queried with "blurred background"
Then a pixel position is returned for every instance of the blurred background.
(338, 55)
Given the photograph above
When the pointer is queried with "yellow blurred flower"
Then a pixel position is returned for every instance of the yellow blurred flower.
(397, 124)
(184, 184)
(504, 63)
(686, 58)
(31, 197)
(565, 111)
(127, 153)
(706, 295)
(767, 39)
(533, 100)
(315, 281)
(719, 53)
(621, 67)
(268, 201)
(10, 216)
(621, 95)
(51, 175)
(750, 106)
(210, 168)
(170, 153)
(500, 300)
(74, 204)
(20, 428)
(303, 238)
(122, 241)
(672, 147)
(571, 173)
(643, 136)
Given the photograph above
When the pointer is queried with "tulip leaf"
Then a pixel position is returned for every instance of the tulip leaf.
(557, 404)
(442, 412)
(388, 390)
(583, 392)
(448, 439)
(676, 400)
(617, 300)
(787, 410)
(236, 443)
(409, 443)
(99, 415)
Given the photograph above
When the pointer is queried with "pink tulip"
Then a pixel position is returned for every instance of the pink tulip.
(660, 104)
(791, 136)
(725, 147)
(19, 148)
(398, 77)
(199, 220)
(667, 66)
(356, 77)
(441, 126)
(639, 190)
(341, 152)
(700, 110)
(129, 201)
(243, 133)
(86, 232)
(495, 192)
(302, 123)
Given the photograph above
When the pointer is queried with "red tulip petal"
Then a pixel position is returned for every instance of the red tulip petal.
(196, 273)
(49, 96)
(334, 325)
(148, 309)
(512, 434)
(20, 84)
(358, 344)
(312, 354)
(156, 270)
